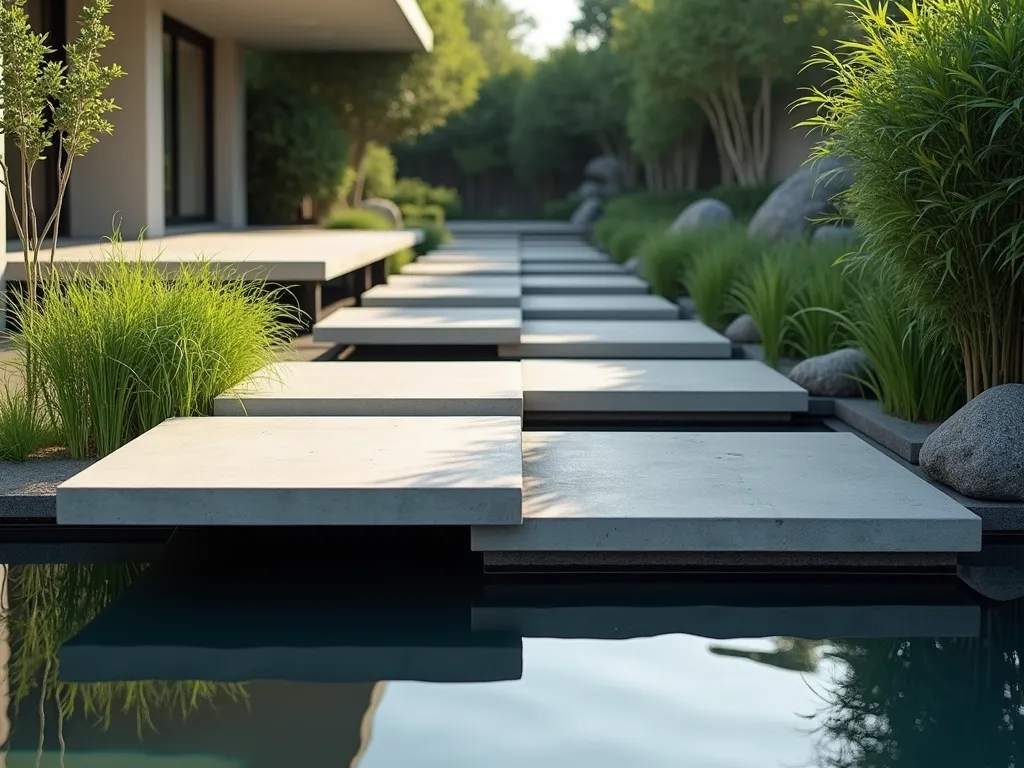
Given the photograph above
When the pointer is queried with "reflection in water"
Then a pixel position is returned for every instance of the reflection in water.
(844, 703)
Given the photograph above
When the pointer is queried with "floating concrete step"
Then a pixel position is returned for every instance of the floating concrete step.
(613, 610)
(456, 281)
(596, 307)
(442, 296)
(572, 268)
(615, 339)
(287, 471)
(468, 257)
(478, 267)
(711, 493)
(582, 284)
(484, 326)
(378, 389)
(662, 386)
(563, 255)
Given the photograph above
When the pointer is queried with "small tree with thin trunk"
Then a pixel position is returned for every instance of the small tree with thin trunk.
(48, 106)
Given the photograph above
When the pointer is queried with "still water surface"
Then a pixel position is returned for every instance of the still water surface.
(669, 700)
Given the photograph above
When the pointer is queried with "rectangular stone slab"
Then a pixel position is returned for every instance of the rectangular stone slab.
(468, 257)
(614, 339)
(592, 307)
(572, 268)
(757, 492)
(442, 296)
(491, 388)
(297, 470)
(457, 281)
(478, 267)
(664, 386)
(454, 326)
(582, 284)
(563, 255)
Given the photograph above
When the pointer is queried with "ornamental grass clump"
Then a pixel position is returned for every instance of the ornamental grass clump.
(927, 107)
(718, 265)
(767, 295)
(826, 285)
(121, 348)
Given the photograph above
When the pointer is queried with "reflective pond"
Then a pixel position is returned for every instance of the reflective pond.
(285, 664)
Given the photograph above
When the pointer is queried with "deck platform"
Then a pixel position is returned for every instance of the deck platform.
(378, 389)
(442, 296)
(617, 339)
(597, 307)
(295, 471)
(663, 386)
(724, 492)
(481, 326)
(583, 284)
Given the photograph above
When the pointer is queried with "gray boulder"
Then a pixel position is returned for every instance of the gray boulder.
(633, 265)
(743, 330)
(385, 208)
(834, 235)
(979, 450)
(606, 169)
(587, 212)
(789, 211)
(589, 188)
(1001, 583)
(832, 375)
(707, 212)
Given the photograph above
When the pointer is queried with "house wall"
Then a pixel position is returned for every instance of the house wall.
(791, 146)
(122, 179)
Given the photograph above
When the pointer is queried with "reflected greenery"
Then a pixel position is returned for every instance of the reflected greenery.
(47, 605)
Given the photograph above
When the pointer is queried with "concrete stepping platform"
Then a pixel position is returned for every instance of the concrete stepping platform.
(455, 281)
(572, 268)
(563, 255)
(724, 492)
(477, 267)
(469, 326)
(585, 284)
(617, 339)
(592, 307)
(289, 471)
(378, 389)
(468, 257)
(662, 386)
(442, 296)
(610, 610)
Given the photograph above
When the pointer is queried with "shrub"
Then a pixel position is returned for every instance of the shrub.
(434, 236)
(415, 191)
(563, 209)
(744, 201)
(927, 109)
(294, 149)
(398, 261)
(650, 205)
(625, 242)
(430, 212)
(767, 295)
(815, 327)
(24, 426)
(665, 259)
(378, 175)
(913, 374)
(357, 218)
(720, 259)
(122, 348)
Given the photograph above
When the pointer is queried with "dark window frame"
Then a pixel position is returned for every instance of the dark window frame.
(179, 31)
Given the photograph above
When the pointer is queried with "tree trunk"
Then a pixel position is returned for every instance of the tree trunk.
(355, 195)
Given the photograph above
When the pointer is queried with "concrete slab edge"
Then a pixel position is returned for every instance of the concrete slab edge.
(903, 438)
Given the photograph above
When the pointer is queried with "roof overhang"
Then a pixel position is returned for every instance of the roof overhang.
(325, 25)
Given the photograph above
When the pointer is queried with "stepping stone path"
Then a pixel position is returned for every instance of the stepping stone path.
(563, 331)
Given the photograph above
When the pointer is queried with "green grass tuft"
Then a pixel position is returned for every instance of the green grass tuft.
(767, 295)
(122, 348)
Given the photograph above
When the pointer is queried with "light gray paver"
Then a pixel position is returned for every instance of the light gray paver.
(484, 326)
(597, 307)
(665, 386)
(479, 267)
(766, 492)
(562, 255)
(583, 284)
(615, 339)
(491, 388)
(572, 268)
(305, 471)
(442, 296)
